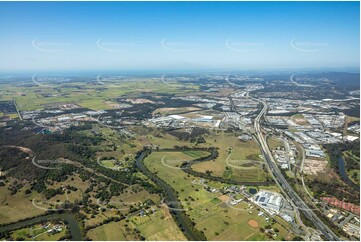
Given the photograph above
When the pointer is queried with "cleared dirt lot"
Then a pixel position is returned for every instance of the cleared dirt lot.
(312, 167)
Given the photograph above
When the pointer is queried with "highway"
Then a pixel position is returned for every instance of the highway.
(276, 173)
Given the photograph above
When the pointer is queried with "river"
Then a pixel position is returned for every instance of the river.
(181, 218)
(68, 217)
(343, 173)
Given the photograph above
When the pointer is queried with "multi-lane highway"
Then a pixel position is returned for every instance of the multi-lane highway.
(276, 173)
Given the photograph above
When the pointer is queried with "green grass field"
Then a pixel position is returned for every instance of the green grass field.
(274, 142)
(155, 226)
(18, 206)
(299, 119)
(158, 226)
(237, 160)
(109, 232)
(37, 233)
(353, 174)
(195, 154)
(212, 216)
(88, 95)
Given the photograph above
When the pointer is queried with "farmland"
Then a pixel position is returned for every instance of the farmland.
(153, 146)
(215, 218)
(237, 160)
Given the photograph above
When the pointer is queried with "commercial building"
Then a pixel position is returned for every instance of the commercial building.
(269, 201)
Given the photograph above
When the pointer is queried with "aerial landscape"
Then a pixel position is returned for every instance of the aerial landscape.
(177, 121)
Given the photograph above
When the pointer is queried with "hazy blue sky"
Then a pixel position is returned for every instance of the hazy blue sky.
(178, 35)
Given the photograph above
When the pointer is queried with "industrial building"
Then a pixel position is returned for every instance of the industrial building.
(269, 201)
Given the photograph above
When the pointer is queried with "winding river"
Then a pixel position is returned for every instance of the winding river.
(68, 217)
(343, 173)
(181, 218)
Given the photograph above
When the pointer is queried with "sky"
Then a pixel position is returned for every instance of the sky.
(46, 36)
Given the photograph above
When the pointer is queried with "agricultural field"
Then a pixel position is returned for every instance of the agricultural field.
(158, 225)
(98, 180)
(195, 154)
(237, 159)
(209, 210)
(110, 232)
(169, 111)
(93, 95)
(158, 139)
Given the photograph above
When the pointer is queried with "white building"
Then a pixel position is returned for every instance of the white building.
(269, 201)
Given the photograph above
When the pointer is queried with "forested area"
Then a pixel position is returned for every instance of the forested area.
(45, 164)
(336, 187)
(195, 136)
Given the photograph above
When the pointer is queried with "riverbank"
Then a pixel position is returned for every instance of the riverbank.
(69, 218)
(343, 173)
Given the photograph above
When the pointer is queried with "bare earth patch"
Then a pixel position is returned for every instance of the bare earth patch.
(223, 198)
(175, 110)
(253, 223)
(312, 167)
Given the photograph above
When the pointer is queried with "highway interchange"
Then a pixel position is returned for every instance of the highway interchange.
(282, 182)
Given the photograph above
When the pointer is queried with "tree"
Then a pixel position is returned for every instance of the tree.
(297, 238)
